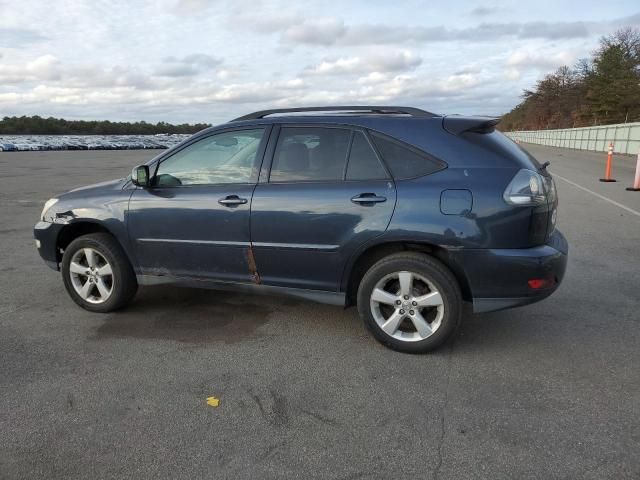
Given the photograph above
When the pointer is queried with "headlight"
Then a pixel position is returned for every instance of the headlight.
(527, 188)
(47, 205)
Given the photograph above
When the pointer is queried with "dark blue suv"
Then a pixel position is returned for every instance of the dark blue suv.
(400, 211)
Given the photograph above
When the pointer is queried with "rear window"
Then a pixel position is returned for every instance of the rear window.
(403, 160)
(500, 144)
(512, 148)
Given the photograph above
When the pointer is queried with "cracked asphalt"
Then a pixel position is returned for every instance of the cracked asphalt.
(551, 390)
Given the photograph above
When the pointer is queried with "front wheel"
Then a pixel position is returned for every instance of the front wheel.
(410, 302)
(97, 273)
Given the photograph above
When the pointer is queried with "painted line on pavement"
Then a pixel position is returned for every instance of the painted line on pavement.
(602, 197)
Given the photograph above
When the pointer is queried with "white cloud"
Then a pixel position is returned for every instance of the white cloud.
(295, 29)
(190, 6)
(512, 73)
(372, 62)
(43, 68)
(116, 86)
(48, 69)
(333, 31)
(269, 23)
(483, 10)
(18, 37)
(226, 74)
(526, 58)
(373, 78)
(522, 61)
(187, 66)
(211, 60)
(322, 31)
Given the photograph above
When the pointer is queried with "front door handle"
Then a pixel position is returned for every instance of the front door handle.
(231, 200)
(365, 198)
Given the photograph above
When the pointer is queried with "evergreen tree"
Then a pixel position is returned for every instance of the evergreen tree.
(597, 91)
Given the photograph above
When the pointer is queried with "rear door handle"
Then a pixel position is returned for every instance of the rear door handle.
(368, 198)
(231, 200)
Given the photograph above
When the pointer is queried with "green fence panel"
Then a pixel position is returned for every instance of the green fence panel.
(624, 136)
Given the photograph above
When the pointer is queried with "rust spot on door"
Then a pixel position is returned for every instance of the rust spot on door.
(253, 269)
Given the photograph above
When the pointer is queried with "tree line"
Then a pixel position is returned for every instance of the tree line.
(600, 90)
(38, 125)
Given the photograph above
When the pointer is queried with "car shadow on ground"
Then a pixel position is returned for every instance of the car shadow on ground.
(189, 315)
(207, 316)
(530, 327)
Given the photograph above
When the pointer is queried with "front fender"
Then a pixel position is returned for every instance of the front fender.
(75, 214)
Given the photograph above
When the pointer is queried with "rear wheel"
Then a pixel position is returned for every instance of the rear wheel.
(410, 302)
(97, 273)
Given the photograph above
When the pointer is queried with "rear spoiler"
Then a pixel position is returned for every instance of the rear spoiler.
(458, 125)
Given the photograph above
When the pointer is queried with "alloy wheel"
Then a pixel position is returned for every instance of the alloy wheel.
(91, 275)
(407, 306)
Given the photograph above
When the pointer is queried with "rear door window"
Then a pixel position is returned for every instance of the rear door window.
(310, 154)
(403, 160)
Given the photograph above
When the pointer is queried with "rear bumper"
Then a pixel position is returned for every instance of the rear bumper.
(46, 234)
(498, 278)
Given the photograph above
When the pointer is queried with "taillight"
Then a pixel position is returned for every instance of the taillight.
(550, 188)
(552, 198)
(527, 189)
(532, 189)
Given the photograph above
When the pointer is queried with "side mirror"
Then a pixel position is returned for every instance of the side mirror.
(140, 176)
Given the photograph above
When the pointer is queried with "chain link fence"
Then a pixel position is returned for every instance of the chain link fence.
(625, 137)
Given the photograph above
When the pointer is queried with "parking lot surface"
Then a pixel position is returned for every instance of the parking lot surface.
(551, 390)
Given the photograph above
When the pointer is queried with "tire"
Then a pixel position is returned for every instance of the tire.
(119, 287)
(434, 298)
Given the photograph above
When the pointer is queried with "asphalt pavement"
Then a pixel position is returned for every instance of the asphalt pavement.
(550, 390)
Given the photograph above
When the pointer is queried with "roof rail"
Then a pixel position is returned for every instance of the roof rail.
(371, 109)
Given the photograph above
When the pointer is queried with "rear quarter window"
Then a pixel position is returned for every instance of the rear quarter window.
(405, 161)
(363, 161)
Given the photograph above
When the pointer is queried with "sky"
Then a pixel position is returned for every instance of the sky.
(213, 60)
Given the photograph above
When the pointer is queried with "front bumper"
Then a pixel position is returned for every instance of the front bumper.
(498, 278)
(46, 235)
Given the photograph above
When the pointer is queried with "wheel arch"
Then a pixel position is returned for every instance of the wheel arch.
(373, 253)
(76, 229)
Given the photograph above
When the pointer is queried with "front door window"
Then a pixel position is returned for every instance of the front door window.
(223, 158)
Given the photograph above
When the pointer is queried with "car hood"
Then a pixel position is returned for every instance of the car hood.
(98, 201)
(97, 187)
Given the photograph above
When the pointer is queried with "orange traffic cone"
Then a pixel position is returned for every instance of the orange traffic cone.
(636, 181)
(607, 172)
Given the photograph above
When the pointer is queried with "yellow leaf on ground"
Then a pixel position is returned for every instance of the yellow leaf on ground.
(213, 401)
